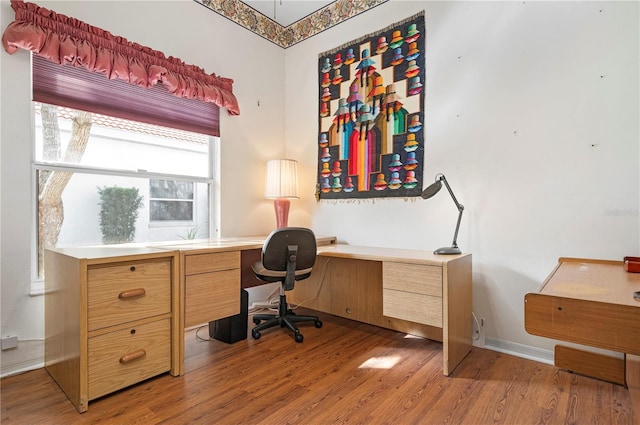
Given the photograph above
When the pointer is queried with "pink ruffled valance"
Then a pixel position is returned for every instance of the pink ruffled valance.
(66, 40)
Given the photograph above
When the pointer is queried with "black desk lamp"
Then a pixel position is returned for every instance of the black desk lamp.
(428, 193)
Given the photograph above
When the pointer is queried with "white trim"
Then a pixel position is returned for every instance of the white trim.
(36, 288)
(29, 355)
(215, 209)
(520, 350)
(123, 173)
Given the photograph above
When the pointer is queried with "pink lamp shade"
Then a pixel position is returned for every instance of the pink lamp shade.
(281, 185)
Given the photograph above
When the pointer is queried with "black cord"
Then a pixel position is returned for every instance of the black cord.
(199, 338)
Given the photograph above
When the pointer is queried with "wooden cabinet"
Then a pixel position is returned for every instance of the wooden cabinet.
(111, 320)
(590, 302)
(212, 286)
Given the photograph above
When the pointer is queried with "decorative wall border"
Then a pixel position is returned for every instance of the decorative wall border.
(267, 28)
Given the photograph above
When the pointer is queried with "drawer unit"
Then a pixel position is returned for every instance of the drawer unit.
(122, 358)
(212, 286)
(128, 291)
(112, 318)
(412, 292)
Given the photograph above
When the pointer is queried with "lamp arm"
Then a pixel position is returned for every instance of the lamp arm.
(460, 207)
(455, 235)
(460, 210)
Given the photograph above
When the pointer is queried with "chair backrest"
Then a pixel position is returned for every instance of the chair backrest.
(275, 252)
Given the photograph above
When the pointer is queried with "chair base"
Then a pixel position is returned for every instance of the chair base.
(284, 318)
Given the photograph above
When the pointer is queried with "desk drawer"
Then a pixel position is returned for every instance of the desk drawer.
(128, 291)
(211, 296)
(204, 263)
(416, 278)
(419, 308)
(122, 358)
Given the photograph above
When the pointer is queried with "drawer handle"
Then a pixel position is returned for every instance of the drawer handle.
(131, 293)
(133, 356)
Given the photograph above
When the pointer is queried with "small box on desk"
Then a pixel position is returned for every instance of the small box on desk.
(234, 328)
(632, 264)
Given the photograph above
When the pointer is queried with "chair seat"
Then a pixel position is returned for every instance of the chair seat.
(277, 276)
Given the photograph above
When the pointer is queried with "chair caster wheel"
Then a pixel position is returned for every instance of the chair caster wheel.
(256, 321)
(318, 323)
(299, 337)
(255, 334)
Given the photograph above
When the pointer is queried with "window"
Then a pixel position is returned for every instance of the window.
(86, 163)
(170, 200)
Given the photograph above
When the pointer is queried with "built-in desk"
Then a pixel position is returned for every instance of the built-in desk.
(591, 302)
(410, 291)
(116, 315)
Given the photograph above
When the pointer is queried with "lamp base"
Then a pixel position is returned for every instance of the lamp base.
(281, 206)
(448, 250)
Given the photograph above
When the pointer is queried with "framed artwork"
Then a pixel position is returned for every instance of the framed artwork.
(371, 115)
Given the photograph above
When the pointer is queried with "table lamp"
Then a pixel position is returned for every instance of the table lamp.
(431, 191)
(281, 185)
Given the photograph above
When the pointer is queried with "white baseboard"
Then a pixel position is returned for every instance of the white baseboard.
(520, 350)
(29, 355)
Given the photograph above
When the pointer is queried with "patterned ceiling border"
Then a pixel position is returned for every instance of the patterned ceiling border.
(318, 21)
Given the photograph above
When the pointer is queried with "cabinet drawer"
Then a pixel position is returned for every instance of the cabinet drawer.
(130, 291)
(203, 263)
(419, 308)
(211, 296)
(416, 278)
(122, 358)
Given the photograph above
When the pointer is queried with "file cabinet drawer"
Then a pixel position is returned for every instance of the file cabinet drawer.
(129, 291)
(124, 357)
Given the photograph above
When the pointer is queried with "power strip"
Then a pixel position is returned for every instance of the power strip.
(263, 304)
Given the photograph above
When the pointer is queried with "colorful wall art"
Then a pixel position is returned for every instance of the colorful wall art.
(371, 115)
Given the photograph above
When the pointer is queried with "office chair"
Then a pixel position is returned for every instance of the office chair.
(288, 255)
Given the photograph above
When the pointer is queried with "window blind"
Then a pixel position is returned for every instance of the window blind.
(75, 87)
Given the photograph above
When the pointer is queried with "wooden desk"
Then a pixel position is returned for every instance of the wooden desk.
(591, 302)
(174, 286)
(410, 291)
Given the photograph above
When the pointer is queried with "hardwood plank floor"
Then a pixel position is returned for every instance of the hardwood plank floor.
(345, 372)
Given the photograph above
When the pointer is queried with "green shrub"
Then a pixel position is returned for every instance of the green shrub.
(118, 213)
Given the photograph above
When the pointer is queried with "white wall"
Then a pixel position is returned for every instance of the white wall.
(180, 28)
(531, 113)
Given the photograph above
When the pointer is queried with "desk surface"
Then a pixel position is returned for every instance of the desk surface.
(191, 246)
(593, 280)
(229, 244)
(411, 256)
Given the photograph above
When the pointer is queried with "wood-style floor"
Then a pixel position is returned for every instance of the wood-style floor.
(345, 372)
